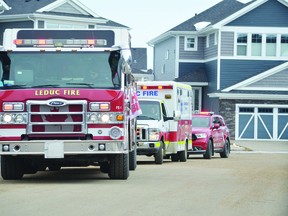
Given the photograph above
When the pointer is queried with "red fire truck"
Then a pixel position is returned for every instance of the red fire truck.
(66, 99)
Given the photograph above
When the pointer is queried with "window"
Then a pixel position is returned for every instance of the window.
(266, 45)
(191, 43)
(284, 45)
(207, 41)
(271, 40)
(216, 38)
(241, 44)
(163, 69)
(167, 55)
(256, 48)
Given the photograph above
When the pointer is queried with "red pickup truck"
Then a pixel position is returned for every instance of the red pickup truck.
(210, 135)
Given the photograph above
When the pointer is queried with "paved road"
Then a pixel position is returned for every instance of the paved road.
(244, 184)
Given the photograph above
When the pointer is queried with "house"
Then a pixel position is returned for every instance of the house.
(235, 56)
(56, 14)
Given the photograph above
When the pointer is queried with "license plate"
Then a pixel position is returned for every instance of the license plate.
(54, 149)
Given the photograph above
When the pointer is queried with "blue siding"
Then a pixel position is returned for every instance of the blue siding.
(211, 70)
(234, 71)
(160, 61)
(188, 67)
(270, 14)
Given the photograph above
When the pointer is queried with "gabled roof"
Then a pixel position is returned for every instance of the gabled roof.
(213, 15)
(258, 82)
(64, 9)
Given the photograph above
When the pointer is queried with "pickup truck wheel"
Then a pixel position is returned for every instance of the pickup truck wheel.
(159, 155)
(226, 150)
(11, 168)
(133, 159)
(208, 153)
(119, 166)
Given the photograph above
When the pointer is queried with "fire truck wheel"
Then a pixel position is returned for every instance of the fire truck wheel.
(159, 155)
(183, 155)
(174, 158)
(11, 168)
(104, 167)
(119, 166)
(226, 150)
(133, 159)
(209, 151)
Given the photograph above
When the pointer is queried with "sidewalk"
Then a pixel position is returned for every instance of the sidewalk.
(259, 146)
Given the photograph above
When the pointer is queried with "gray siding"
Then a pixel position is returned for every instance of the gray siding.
(161, 62)
(275, 80)
(227, 43)
(270, 14)
(195, 55)
(23, 24)
(234, 71)
(211, 51)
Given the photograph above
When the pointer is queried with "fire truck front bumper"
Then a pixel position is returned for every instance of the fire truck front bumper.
(59, 148)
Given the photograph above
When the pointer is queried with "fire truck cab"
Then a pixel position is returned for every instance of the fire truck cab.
(164, 129)
(65, 100)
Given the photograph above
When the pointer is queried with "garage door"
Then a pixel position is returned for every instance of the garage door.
(261, 122)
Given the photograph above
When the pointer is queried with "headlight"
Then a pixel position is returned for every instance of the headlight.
(13, 118)
(201, 135)
(154, 134)
(104, 118)
(7, 118)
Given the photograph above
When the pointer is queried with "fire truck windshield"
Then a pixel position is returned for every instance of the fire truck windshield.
(59, 69)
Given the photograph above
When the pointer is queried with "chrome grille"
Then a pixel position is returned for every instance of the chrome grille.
(64, 117)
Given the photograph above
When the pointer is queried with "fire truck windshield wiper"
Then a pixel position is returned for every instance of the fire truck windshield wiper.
(80, 83)
(16, 86)
(45, 86)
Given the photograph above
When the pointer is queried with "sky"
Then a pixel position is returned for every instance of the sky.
(148, 18)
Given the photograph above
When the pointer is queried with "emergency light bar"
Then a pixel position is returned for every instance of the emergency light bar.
(59, 42)
(156, 87)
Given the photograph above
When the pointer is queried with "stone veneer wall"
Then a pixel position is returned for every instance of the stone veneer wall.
(227, 109)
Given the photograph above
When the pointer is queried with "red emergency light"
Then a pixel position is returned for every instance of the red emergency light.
(157, 87)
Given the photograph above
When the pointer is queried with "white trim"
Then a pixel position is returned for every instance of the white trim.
(197, 84)
(258, 77)
(177, 56)
(249, 96)
(197, 61)
(82, 8)
(4, 5)
(219, 61)
(260, 30)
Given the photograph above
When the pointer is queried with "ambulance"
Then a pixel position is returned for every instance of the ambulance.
(164, 129)
(67, 98)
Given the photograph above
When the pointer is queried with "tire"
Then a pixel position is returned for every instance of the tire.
(226, 150)
(11, 168)
(104, 167)
(183, 154)
(133, 159)
(174, 157)
(119, 166)
(159, 155)
(208, 153)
